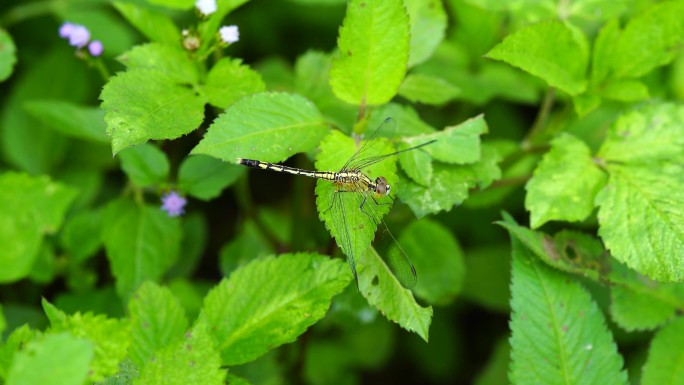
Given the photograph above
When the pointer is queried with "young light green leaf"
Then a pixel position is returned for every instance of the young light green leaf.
(193, 360)
(287, 295)
(12, 344)
(438, 259)
(155, 25)
(451, 184)
(603, 52)
(458, 144)
(32, 207)
(549, 50)
(142, 242)
(168, 59)
(205, 177)
(373, 52)
(384, 292)
(428, 89)
(110, 336)
(267, 126)
(625, 91)
(80, 236)
(70, 119)
(665, 358)
(145, 164)
(641, 206)
(416, 164)
(428, 22)
(144, 104)
(556, 322)
(58, 359)
(175, 4)
(229, 80)
(408, 121)
(658, 30)
(8, 55)
(157, 320)
(564, 184)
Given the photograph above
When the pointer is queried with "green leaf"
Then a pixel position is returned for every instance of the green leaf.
(428, 21)
(455, 144)
(156, 26)
(8, 55)
(604, 52)
(144, 104)
(665, 356)
(145, 164)
(637, 303)
(190, 361)
(229, 80)
(439, 262)
(373, 52)
(549, 50)
(382, 290)
(13, 344)
(564, 184)
(556, 322)
(495, 370)
(175, 4)
(428, 89)
(286, 295)
(658, 31)
(59, 359)
(195, 233)
(70, 119)
(170, 60)
(3, 326)
(208, 29)
(408, 121)
(312, 80)
(625, 91)
(641, 206)
(142, 242)
(157, 320)
(248, 245)
(32, 207)
(109, 335)
(80, 235)
(455, 183)
(205, 177)
(266, 126)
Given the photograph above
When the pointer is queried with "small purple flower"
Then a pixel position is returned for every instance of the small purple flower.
(66, 30)
(229, 34)
(95, 48)
(79, 36)
(173, 204)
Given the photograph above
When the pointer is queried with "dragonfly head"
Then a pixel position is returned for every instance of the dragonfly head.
(381, 186)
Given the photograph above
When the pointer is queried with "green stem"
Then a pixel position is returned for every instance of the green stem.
(101, 69)
(540, 122)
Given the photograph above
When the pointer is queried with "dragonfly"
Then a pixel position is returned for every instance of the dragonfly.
(351, 181)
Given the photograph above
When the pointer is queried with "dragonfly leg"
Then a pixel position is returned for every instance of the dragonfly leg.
(335, 197)
(382, 204)
(364, 211)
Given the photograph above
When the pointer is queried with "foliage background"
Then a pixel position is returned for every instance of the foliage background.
(576, 95)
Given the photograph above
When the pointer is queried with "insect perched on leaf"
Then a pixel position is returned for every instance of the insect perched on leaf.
(354, 201)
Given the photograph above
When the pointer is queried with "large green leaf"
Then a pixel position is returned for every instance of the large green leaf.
(428, 24)
(192, 360)
(428, 89)
(142, 242)
(555, 322)
(70, 119)
(144, 104)
(373, 52)
(145, 164)
(638, 303)
(564, 184)
(32, 207)
(58, 359)
(658, 31)
(229, 80)
(168, 59)
(438, 259)
(157, 320)
(665, 356)
(267, 126)
(8, 55)
(641, 211)
(549, 50)
(110, 337)
(286, 295)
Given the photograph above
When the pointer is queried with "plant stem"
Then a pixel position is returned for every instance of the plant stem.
(540, 122)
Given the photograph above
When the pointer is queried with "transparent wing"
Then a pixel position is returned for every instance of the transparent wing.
(394, 256)
(371, 146)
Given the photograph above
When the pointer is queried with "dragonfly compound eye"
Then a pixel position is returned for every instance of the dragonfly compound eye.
(381, 186)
